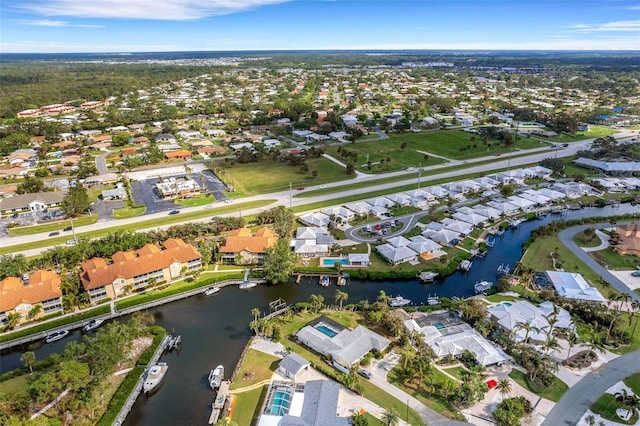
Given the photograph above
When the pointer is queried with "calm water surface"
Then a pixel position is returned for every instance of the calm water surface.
(215, 329)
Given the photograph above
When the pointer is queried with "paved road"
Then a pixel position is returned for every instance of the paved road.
(101, 163)
(566, 237)
(579, 398)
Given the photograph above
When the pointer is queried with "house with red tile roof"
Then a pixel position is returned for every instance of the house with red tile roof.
(22, 295)
(181, 154)
(135, 270)
(245, 248)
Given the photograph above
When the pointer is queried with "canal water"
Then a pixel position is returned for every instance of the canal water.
(214, 329)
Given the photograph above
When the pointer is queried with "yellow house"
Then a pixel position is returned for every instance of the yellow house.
(244, 248)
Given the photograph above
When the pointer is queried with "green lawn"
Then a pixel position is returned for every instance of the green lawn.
(196, 201)
(18, 386)
(633, 382)
(152, 223)
(552, 393)
(55, 226)
(594, 132)
(538, 257)
(458, 372)
(248, 404)
(582, 241)
(256, 367)
(614, 260)
(377, 151)
(497, 298)
(127, 212)
(271, 176)
(373, 421)
(607, 405)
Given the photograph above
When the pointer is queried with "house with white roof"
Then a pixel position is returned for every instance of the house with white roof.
(424, 246)
(552, 194)
(522, 203)
(538, 171)
(611, 184)
(444, 236)
(399, 241)
(504, 207)
(380, 201)
(512, 317)
(535, 197)
(437, 191)
(453, 337)
(462, 228)
(573, 286)
(358, 259)
(396, 255)
(315, 219)
(400, 198)
(566, 190)
(343, 213)
(359, 207)
(583, 189)
(472, 218)
(421, 193)
(378, 211)
(510, 177)
(312, 241)
(486, 182)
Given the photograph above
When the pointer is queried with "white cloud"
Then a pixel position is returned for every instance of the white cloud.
(52, 23)
(175, 10)
(39, 46)
(616, 26)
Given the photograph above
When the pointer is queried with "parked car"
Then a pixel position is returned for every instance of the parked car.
(300, 188)
(68, 228)
(15, 215)
(635, 274)
(54, 233)
(364, 373)
(71, 242)
(172, 212)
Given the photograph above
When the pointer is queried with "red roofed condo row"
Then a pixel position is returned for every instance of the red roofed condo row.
(133, 270)
(29, 297)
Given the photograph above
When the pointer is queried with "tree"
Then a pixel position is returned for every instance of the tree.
(31, 185)
(28, 359)
(316, 301)
(74, 375)
(504, 386)
(76, 202)
(359, 419)
(340, 297)
(390, 417)
(572, 340)
(256, 313)
(314, 173)
(279, 262)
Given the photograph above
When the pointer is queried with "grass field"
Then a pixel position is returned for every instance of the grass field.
(271, 176)
(127, 212)
(256, 367)
(552, 393)
(594, 132)
(196, 201)
(607, 405)
(227, 208)
(582, 241)
(456, 371)
(247, 409)
(614, 260)
(56, 226)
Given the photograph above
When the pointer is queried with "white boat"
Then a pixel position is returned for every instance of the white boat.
(154, 376)
(427, 276)
(433, 300)
(398, 301)
(56, 335)
(465, 265)
(324, 281)
(247, 284)
(503, 269)
(174, 342)
(482, 286)
(211, 290)
(92, 325)
(215, 377)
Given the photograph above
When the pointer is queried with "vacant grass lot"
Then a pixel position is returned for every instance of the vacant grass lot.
(256, 367)
(271, 176)
(594, 132)
(552, 393)
(614, 260)
(582, 241)
(196, 201)
(127, 212)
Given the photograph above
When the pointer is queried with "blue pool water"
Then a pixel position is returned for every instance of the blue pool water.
(331, 262)
(280, 404)
(326, 330)
(507, 304)
(438, 325)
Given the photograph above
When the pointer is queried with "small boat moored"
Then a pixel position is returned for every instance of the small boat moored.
(482, 286)
(92, 325)
(247, 284)
(56, 335)
(465, 265)
(324, 281)
(215, 377)
(427, 276)
(398, 301)
(154, 376)
(211, 290)
(503, 269)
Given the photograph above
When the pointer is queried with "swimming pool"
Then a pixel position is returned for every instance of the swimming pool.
(507, 304)
(326, 330)
(438, 325)
(280, 403)
(330, 261)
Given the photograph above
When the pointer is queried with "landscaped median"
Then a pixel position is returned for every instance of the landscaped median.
(134, 226)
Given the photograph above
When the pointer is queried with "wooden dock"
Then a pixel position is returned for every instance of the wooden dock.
(217, 406)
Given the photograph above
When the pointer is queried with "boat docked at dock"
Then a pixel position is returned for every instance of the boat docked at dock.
(398, 301)
(92, 325)
(215, 377)
(324, 281)
(154, 376)
(427, 276)
(503, 269)
(247, 284)
(211, 290)
(433, 300)
(465, 265)
(174, 342)
(482, 286)
(56, 335)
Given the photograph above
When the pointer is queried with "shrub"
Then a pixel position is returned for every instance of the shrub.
(511, 410)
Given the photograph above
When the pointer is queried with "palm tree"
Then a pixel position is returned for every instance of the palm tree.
(504, 386)
(316, 300)
(572, 340)
(550, 344)
(622, 397)
(591, 420)
(256, 313)
(390, 417)
(383, 297)
(340, 297)
(28, 359)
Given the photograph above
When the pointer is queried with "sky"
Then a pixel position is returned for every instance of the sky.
(65, 26)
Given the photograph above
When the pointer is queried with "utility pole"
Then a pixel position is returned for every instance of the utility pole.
(73, 230)
(419, 174)
(290, 196)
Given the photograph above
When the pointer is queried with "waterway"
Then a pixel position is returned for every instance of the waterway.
(214, 329)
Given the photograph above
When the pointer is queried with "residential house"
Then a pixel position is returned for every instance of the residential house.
(443, 236)
(472, 218)
(245, 248)
(315, 219)
(628, 239)
(513, 319)
(462, 228)
(341, 214)
(38, 201)
(312, 241)
(535, 197)
(426, 248)
(396, 255)
(39, 290)
(114, 194)
(573, 286)
(521, 202)
(358, 259)
(135, 270)
(180, 154)
(292, 365)
(487, 211)
(400, 198)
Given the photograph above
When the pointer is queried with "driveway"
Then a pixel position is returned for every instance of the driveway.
(144, 192)
(104, 209)
(579, 398)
